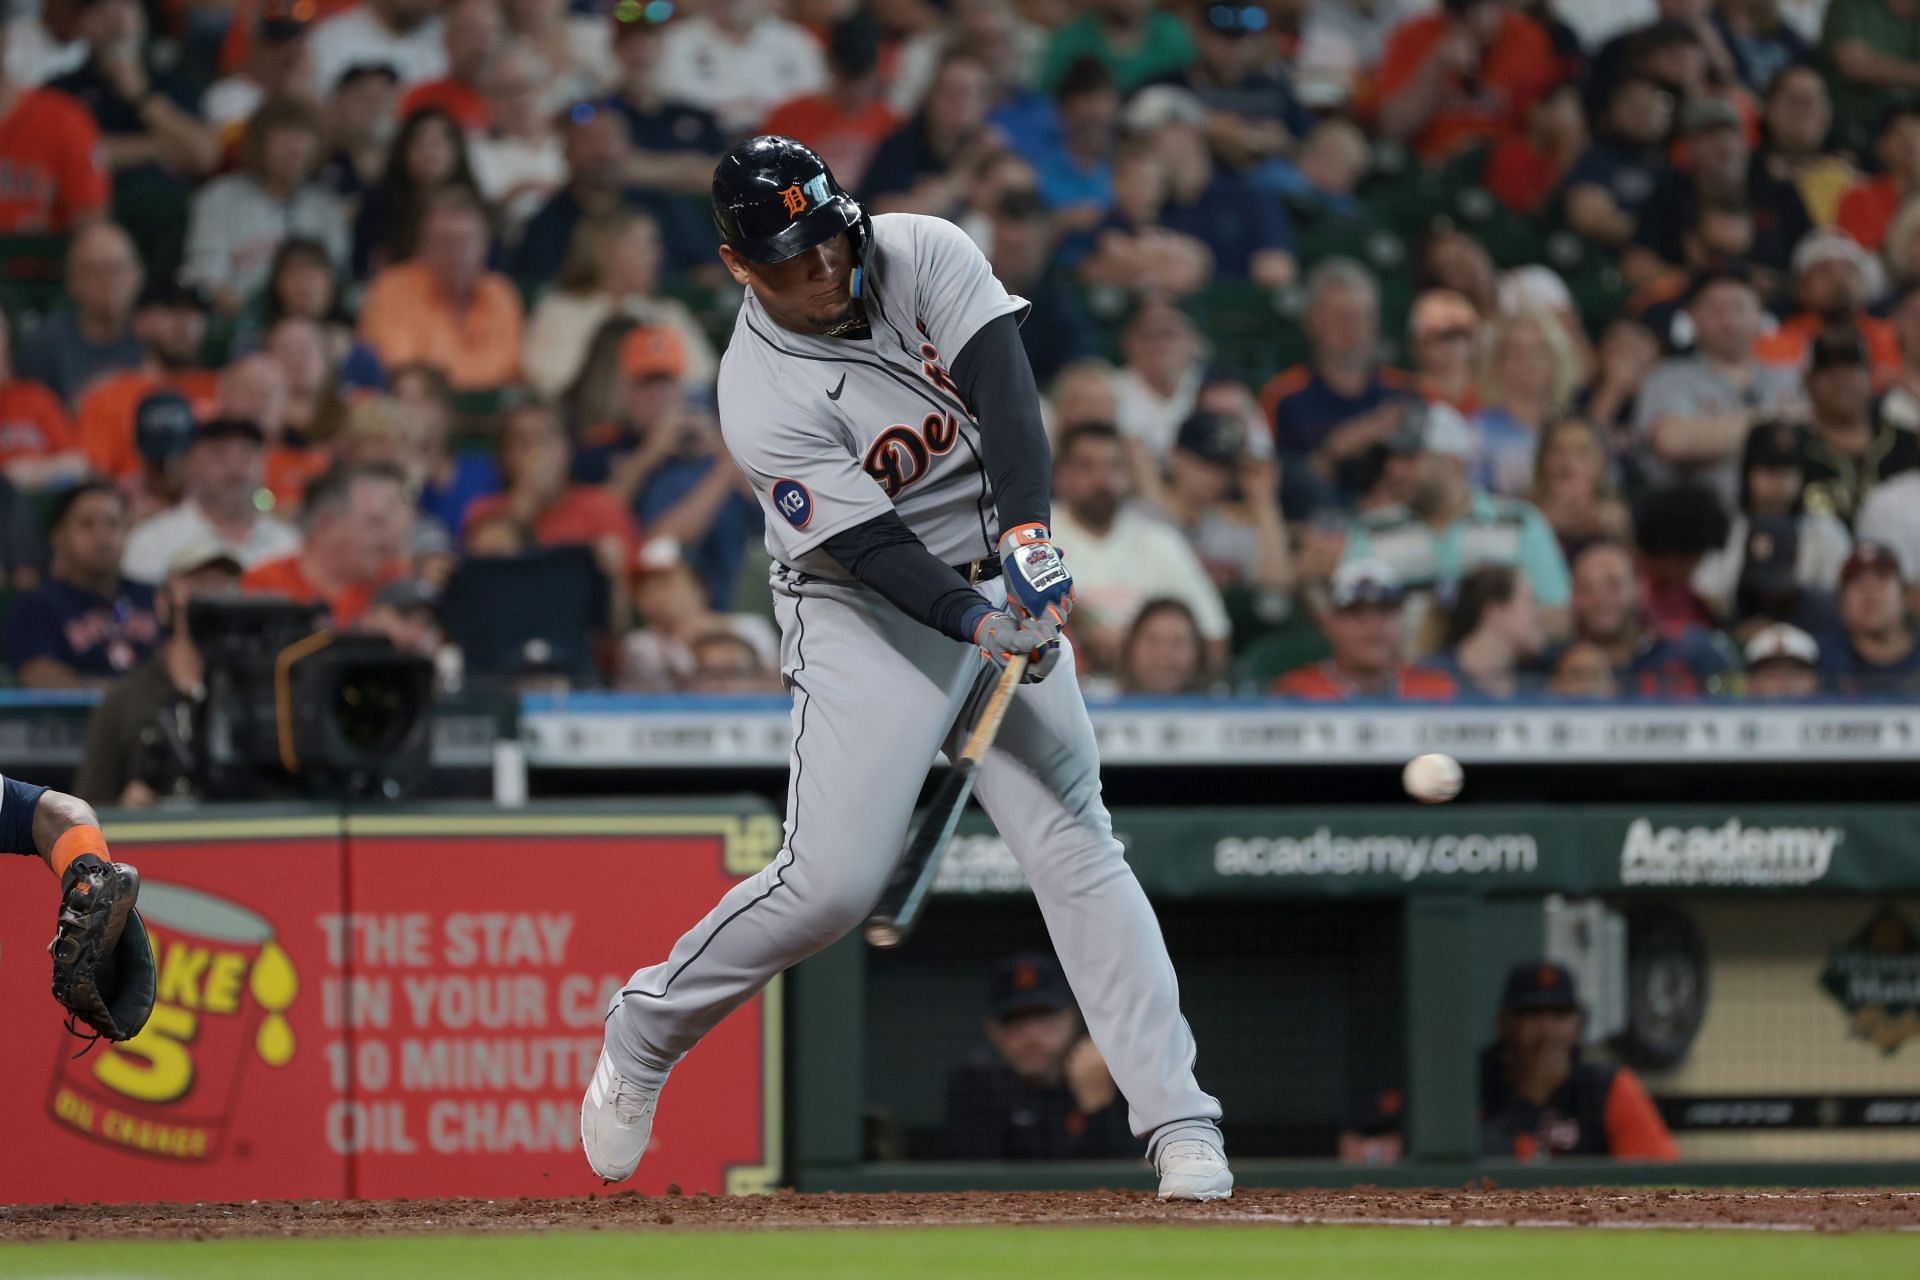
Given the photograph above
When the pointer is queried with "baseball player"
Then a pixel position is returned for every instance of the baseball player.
(103, 969)
(876, 394)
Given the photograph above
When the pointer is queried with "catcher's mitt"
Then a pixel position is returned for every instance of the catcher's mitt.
(103, 968)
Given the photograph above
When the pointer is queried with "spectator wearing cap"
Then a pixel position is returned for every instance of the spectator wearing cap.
(1252, 114)
(170, 320)
(1609, 613)
(1245, 230)
(37, 443)
(470, 36)
(1538, 1098)
(358, 114)
(239, 220)
(140, 738)
(1163, 654)
(442, 307)
(224, 468)
(1879, 653)
(1136, 43)
(1448, 526)
(1038, 1089)
(550, 508)
(354, 526)
(401, 34)
(1243, 542)
(612, 271)
(1782, 662)
(407, 613)
(1444, 331)
(254, 389)
(846, 121)
(1867, 208)
(675, 140)
(149, 129)
(1527, 372)
(1850, 447)
(666, 463)
(677, 614)
(1720, 171)
(51, 148)
(1773, 488)
(1363, 622)
(1891, 517)
(1796, 120)
(163, 427)
(1122, 555)
(1695, 412)
(738, 59)
(95, 337)
(926, 164)
(1462, 75)
(1871, 49)
(1133, 252)
(1605, 192)
(273, 63)
(1057, 330)
(1834, 282)
(1492, 634)
(87, 623)
(428, 156)
(1155, 390)
(1328, 412)
(518, 160)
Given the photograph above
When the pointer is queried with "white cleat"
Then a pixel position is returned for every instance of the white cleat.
(1194, 1169)
(616, 1119)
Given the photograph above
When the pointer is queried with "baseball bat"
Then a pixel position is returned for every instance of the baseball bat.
(894, 916)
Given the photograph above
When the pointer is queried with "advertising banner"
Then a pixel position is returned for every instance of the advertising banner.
(407, 1006)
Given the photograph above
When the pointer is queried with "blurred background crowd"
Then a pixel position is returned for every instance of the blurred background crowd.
(1467, 349)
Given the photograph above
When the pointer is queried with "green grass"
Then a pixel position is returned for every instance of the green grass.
(1016, 1253)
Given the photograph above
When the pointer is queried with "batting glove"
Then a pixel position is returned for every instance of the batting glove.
(1000, 636)
(1037, 578)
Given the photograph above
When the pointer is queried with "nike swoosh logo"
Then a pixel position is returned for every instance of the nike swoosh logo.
(837, 388)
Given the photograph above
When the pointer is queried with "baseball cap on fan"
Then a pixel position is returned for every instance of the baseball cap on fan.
(163, 426)
(1538, 985)
(1781, 642)
(1217, 438)
(653, 351)
(1361, 583)
(1029, 980)
(1871, 557)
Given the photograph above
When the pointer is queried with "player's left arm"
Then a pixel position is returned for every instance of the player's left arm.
(51, 825)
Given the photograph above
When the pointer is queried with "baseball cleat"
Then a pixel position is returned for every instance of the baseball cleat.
(1194, 1169)
(616, 1119)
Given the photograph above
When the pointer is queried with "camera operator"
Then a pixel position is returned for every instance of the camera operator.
(140, 738)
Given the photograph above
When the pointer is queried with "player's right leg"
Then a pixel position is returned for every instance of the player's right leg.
(873, 696)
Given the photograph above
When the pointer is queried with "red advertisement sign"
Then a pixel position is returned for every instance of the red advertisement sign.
(408, 1008)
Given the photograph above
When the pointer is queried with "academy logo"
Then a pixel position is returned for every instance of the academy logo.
(1730, 854)
(1875, 977)
(793, 501)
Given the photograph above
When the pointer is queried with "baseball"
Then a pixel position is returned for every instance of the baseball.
(1433, 778)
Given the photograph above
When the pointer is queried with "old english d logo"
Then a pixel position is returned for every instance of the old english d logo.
(796, 200)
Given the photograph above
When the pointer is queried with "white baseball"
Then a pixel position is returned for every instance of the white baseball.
(1432, 778)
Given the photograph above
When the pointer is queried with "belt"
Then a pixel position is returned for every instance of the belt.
(978, 571)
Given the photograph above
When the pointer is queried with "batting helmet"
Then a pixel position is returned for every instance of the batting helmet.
(774, 198)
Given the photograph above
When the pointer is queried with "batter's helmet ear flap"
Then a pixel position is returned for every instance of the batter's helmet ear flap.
(774, 198)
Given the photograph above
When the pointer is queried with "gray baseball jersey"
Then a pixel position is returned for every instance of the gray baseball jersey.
(834, 432)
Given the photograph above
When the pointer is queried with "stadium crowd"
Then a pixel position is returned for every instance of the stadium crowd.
(1430, 350)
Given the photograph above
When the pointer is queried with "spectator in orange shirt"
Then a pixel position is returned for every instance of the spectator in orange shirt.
(471, 31)
(442, 307)
(847, 121)
(1538, 1099)
(1867, 207)
(171, 321)
(1463, 75)
(254, 389)
(1834, 282)
(37, 447)
(1362, 622)
(50, 148)
(355, 524)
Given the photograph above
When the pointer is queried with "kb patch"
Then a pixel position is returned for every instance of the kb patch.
(794, 502)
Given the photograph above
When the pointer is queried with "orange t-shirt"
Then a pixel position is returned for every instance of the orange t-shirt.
(104, 416)
(1866, 210)
(406, 320)
(287, 577)
(1323, 682)
(1787, 345)
(32, 422)
(584, 515)
(290, 469)
(54, 174)
(1515, 70)
(462, 102)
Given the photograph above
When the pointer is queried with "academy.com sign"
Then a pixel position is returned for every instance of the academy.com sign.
(1729, 854)
(1402, 857)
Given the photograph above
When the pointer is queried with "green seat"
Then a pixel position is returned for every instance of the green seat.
(32, 272)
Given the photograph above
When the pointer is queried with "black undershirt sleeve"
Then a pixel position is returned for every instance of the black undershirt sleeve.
(889, 557)
(996, 381)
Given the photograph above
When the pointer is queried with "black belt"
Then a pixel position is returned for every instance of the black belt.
(978, 571)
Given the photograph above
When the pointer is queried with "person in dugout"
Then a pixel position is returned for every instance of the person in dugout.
(1538, 1099)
